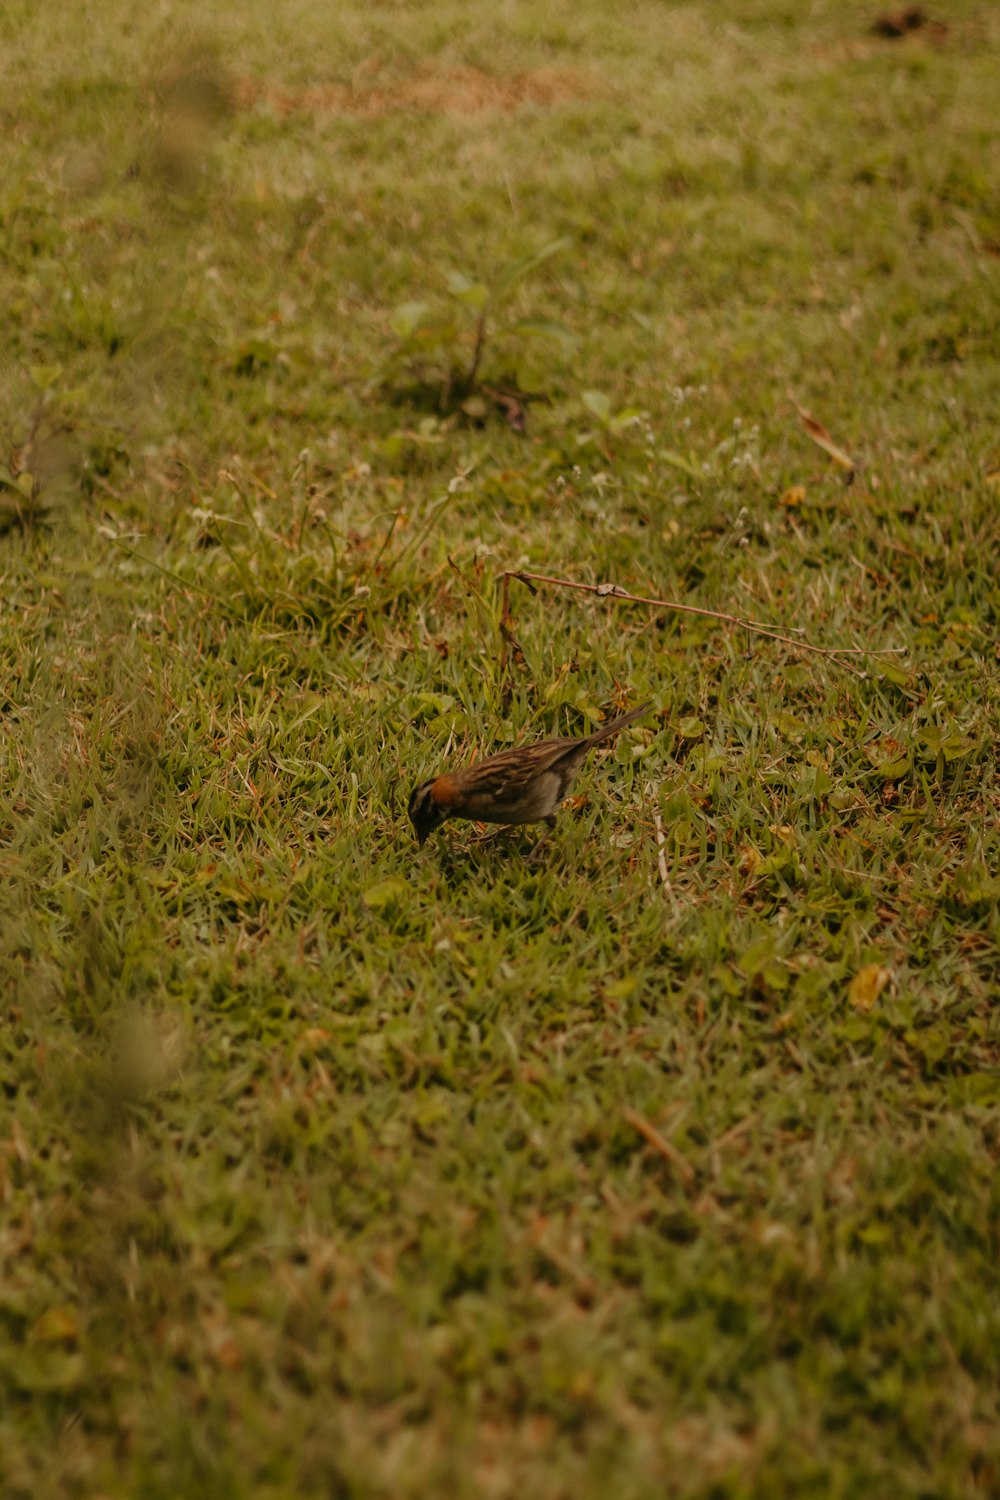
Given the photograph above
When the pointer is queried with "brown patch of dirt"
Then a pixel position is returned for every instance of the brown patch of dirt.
(897, 23)
(910, 26)
(448, 91)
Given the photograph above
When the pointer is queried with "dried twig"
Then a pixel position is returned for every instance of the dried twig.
(734, 1131)
(504, 624)
(661, 851)
(613, 591)
(510, 646)
(477, 352)
(659, 1143)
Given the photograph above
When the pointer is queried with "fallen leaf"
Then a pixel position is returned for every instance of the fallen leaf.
(890, 758)
(384, 893)
(620, 989)
(57, 1325)
(866, 986)
(819, 435)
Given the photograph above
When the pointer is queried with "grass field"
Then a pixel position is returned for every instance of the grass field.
(668, 1166)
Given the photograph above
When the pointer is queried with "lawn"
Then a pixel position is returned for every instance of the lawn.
(665, 1166)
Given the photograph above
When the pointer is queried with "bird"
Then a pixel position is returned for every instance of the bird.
(522, 785)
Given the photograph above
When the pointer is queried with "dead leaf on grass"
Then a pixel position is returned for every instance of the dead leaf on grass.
(57, 1325)
(866, 986)
(819, 435)
(889, 757)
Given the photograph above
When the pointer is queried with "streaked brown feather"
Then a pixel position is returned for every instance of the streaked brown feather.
(512, 770)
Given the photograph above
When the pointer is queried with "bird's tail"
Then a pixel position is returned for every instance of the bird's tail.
(608, 729)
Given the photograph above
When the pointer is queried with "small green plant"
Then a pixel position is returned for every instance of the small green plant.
(440, 359)
(36, 455)
(18, 497)
(610, 424)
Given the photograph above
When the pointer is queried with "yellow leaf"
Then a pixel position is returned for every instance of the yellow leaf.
(384, 893)
(866, 986)
(57, 1325)
(315, 1036)
(620, 989)
(793, 496)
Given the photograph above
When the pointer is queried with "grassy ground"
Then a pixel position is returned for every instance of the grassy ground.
(331, 1168)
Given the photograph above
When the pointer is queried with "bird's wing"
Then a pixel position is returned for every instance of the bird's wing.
(510, 771)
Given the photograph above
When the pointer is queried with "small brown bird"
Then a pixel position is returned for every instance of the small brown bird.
(523, 785)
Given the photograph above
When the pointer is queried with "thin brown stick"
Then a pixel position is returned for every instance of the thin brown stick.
(477, 352)
(585, 1285)
(659, 1143)
(510, 646)
(504, 624)
(734, 1131)
(613, 591)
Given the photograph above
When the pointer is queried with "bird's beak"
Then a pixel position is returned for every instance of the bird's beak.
(422, 838)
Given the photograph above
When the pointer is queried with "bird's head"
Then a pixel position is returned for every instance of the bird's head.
(426, 813)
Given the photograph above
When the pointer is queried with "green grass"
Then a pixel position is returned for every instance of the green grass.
(328, 1167)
